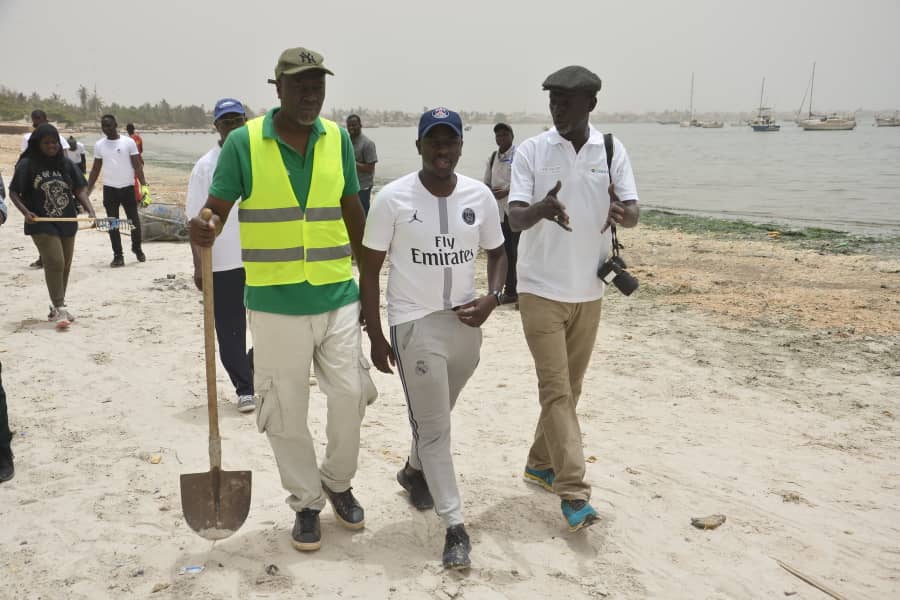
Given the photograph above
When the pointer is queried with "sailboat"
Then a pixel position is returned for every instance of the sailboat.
(764, 120)
(691, 122)
(817, 122)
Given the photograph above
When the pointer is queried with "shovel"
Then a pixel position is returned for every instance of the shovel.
(215, 504)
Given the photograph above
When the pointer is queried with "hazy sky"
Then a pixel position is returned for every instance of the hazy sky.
(475, 55)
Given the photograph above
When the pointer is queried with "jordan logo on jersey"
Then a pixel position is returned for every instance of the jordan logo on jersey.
(415, 218)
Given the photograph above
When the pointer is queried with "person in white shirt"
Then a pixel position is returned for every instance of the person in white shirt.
(564, 199)
(496, 177)
(120, 156)
(228, 268)
(75, 153)
(431, 224)
(39, 117)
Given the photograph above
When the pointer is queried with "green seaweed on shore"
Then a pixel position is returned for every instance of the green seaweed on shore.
(826, 241)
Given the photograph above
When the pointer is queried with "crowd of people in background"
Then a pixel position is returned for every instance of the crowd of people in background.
(290, 198)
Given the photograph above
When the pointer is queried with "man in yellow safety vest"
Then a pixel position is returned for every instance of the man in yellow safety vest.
(300, 219)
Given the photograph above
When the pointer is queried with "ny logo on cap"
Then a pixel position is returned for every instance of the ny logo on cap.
(440, 113)
(307, 57)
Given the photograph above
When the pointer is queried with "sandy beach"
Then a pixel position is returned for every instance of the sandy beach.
(753, 378)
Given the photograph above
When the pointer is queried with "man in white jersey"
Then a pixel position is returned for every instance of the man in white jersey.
(431, 223)
(228, 268)
(75, 152)
(563, 198)
(120, 156)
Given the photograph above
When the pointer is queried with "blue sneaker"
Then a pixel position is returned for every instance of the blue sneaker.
(543, 478)
(579, 514)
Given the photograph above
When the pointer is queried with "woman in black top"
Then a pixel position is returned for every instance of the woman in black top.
(46, 184)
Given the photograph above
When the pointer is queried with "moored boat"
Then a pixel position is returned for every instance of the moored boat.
(818, 122)
(764, 120)
(883, 121)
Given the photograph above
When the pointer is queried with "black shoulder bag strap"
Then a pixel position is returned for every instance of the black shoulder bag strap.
(608, 144)
(493, 156)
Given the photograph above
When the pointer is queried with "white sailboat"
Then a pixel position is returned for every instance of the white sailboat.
(819, 122)
(691, 122)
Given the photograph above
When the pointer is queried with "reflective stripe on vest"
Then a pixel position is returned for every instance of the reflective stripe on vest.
(279, 243)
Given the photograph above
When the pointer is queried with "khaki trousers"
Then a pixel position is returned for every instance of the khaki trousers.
(284, 346)
(561, 337)
(56, 255)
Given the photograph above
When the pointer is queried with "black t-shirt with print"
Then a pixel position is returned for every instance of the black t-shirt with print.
(46, 194)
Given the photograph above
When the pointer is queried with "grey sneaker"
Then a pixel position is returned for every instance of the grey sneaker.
(246, 403)
(53, 314)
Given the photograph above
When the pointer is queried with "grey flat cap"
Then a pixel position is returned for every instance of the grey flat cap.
(573, 79)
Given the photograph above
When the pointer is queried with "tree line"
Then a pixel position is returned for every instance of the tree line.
(90, 107)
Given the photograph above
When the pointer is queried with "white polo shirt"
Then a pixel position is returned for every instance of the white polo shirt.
(63, 143)
(226, 252)
(118, 172)
(76, 154)
(554, 263)
(432, 243)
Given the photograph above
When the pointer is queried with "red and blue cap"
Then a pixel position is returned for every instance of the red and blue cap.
(440, 116)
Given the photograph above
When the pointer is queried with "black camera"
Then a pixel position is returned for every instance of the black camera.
(612, 270)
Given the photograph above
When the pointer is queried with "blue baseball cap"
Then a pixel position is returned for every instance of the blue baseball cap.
(227, 105)
(439, 116)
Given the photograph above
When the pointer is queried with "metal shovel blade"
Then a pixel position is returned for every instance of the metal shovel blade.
(215, 504)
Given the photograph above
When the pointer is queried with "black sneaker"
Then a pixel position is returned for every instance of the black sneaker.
(413, 481)
(456, 548)
(7, 471)
(38, 264)
(140, 255)
(117, 261)
(348, 511)
(306, 535)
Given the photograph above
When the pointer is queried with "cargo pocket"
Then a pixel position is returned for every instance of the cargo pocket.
(268, 408)
(369, 391)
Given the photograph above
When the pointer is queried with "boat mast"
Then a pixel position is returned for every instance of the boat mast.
(762, 87)
(812, 82)
(691, 118)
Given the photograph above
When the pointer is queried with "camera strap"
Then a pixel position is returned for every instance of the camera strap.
(608, 145)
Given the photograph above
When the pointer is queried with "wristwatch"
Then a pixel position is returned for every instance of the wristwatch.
(496, 296)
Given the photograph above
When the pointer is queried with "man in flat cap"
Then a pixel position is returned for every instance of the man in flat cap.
(299, 219)
(564, 199)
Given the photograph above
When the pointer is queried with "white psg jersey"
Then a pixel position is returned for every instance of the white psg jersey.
(432, 243)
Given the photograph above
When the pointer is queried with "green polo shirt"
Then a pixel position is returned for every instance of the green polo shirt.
(233, 180)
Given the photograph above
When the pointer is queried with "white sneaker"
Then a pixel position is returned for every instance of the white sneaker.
(54, 313)
(246, 403)
(63, 319)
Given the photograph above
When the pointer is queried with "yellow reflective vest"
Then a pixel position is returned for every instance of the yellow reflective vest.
(280, 243)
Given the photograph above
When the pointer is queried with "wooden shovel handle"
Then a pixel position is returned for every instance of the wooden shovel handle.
(65, 219)
(209, 345)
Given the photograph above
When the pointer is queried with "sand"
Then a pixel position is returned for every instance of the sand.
(748, 378)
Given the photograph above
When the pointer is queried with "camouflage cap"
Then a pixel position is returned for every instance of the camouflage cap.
(573, 79)
(297, 60)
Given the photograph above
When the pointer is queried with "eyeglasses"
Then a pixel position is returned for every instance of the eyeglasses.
(232, 121)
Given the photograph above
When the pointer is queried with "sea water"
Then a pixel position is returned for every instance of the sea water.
(843, 180)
